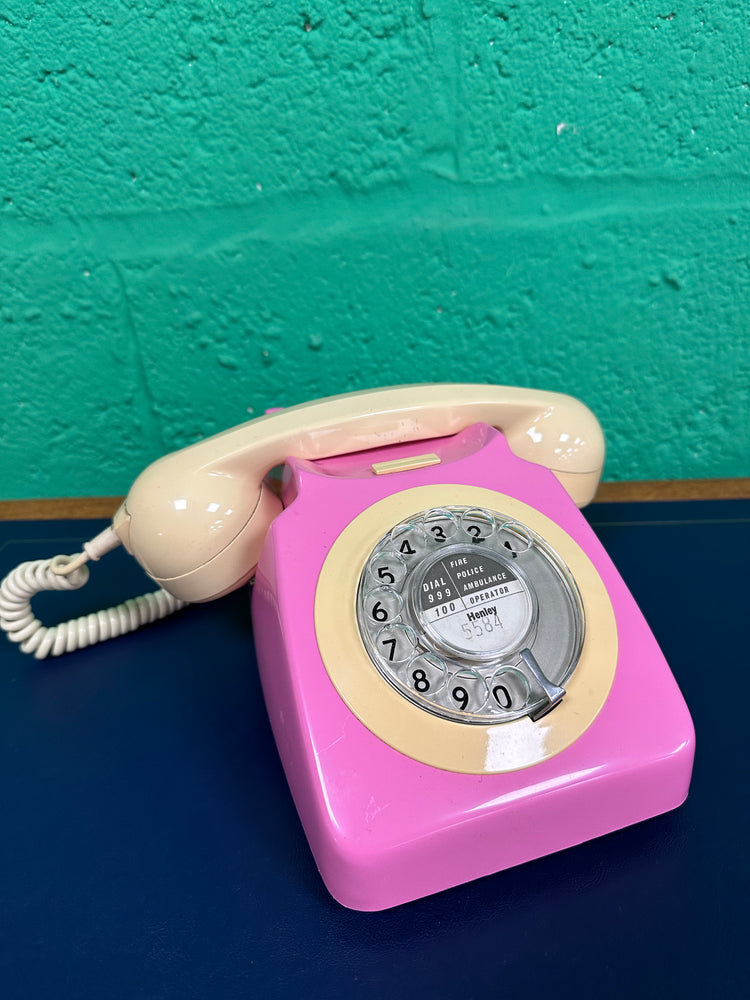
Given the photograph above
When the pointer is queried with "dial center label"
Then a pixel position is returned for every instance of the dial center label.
(474, 602)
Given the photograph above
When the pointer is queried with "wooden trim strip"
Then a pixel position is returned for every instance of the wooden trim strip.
(63, 508)
(674, 489)
(60, 508)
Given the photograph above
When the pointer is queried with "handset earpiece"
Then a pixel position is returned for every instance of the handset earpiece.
(566, 439)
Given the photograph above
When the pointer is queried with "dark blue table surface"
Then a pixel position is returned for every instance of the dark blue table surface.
(150, 848)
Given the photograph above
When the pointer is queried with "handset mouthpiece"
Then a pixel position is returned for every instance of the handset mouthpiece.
(196, 532)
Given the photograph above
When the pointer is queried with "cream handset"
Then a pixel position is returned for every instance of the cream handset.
(457, 678)
(196, 520)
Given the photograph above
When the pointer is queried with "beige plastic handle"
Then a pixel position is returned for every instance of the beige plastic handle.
(196, 519)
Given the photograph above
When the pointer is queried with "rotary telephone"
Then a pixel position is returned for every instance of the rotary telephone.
(453, 668)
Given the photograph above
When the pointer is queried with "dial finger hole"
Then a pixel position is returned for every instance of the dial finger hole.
(387, 568)
(479, 524)
(396, 643)
(510, 690)
(467, 691)
(426, 674)
(409, 541)
(516, 538)
(383, 605)
(441, 525)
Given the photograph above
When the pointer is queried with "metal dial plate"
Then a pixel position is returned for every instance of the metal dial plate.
(470, 615)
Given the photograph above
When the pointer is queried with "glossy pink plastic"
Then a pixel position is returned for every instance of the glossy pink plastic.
(384, 828)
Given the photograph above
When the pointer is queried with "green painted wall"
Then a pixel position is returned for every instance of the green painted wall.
(209, 208)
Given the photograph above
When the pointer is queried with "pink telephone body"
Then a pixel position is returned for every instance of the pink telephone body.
(457, 678)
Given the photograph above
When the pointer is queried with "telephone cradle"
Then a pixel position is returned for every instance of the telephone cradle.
(457, 678)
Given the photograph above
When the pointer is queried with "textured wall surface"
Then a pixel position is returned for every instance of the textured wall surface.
(209, 208)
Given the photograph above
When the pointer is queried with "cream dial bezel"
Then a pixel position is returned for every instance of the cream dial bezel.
(442, 743)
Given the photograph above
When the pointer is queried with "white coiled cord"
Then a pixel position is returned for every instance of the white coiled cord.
(70, 573)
